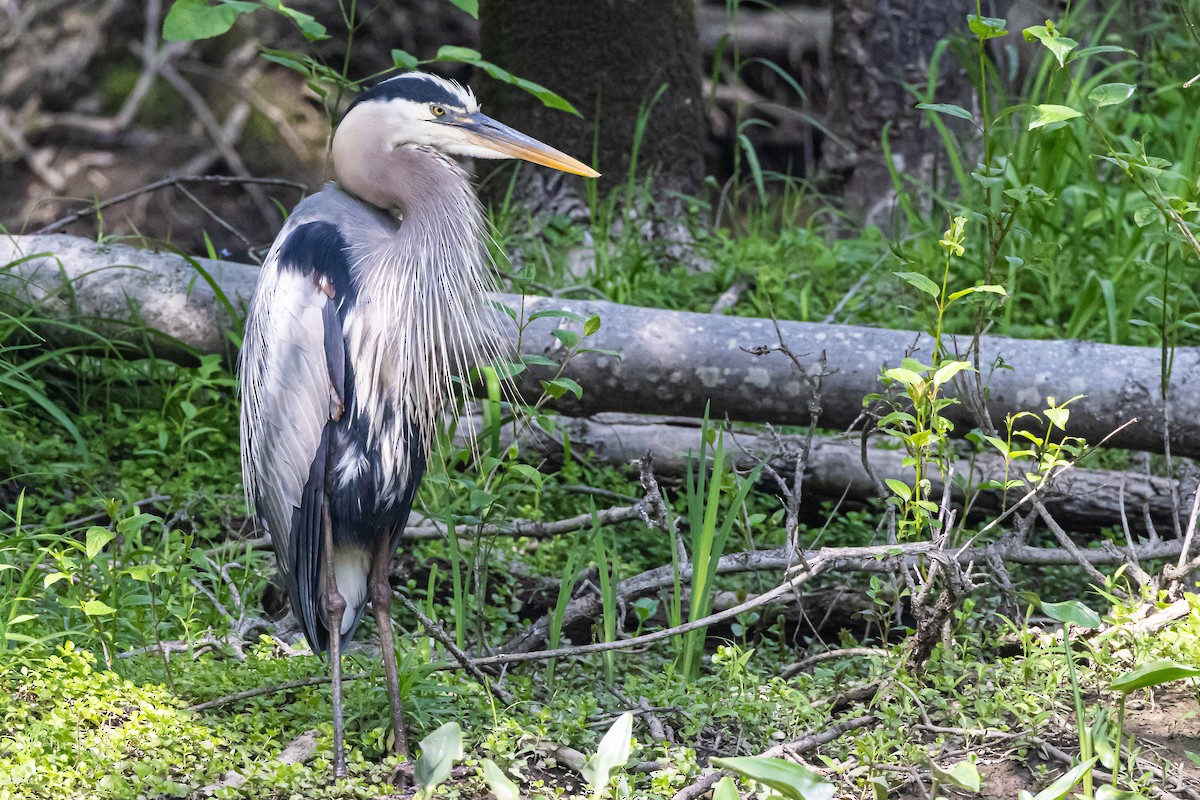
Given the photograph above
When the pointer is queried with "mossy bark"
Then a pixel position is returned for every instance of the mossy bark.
(609, 58)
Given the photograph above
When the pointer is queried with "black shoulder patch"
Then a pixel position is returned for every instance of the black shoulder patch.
(413, 86)
(318, 248)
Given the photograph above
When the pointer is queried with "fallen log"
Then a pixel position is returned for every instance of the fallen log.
(670, 360)
(1081, 499)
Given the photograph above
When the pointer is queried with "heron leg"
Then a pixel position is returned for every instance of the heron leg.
(335, 608)
(381, 604)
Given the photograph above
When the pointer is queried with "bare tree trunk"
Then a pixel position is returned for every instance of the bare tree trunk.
(670, 360)
(609, 58)
(881, 47)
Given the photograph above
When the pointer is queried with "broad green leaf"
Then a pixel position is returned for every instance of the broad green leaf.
(919, 281)
(535, 360)
(439, 751)
(1106, 791)
(1192, 757)
(560, 386)
(95, 540)
(987, 27)
(1102, 744)
(1048, 114)
(498, 782)
(1111, 94)
(947, 109)
(449, 52)
(1153, 674)
(568, 337)
(725, 790)
(472, 8)
(53, 578)
(312, 30)
(1060, 46)
(790, 780)
(555, 313)
(1061, 787)
(189, 20)
(610, 755)
(905, 377)
(481, 499)
(1072, 611)
(964, 775)
(98, 608)
(131, 525)
(402, 59)
(902, 489)
(591, 325)
(19, 618)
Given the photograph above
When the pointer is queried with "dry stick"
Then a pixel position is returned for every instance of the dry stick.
(829, 655)
(177, 180)
(465, 661)
(801, 745)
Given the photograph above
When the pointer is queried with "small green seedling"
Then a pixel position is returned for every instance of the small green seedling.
(439, 751)
(498, 783)
(610, 756)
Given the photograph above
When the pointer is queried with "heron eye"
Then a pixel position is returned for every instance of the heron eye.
(438, 111)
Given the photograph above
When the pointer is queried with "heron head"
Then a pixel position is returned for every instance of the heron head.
(422, 109)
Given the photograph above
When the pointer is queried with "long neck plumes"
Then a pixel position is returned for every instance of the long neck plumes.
(423, 316)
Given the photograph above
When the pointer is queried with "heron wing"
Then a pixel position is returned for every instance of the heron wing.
(293, 382)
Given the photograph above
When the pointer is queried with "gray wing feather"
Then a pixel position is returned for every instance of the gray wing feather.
(292, 343)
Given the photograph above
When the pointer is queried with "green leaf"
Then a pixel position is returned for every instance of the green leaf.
(1073, 612)
(902, 489)
(472, 8)
(790, 780)
(1111, 94)
(535, 360)
(95, 540)
(450, 52)
(947, 371)
(555, 313)
(986, 27)
(568, 337)
(1059, 45)
(133, 524)
(725, 790)
(402, 59)
(1061, 787)
(905, 377)
(1153, 674)
(947, 109)
(990, 288)
(964, 775)
(189, 20)
(439, 751)
(98, 608)
(498, 782)
(481, 499)
(560, 386)
(921, 282)
(591, 325)
(1051, 115)
(53, 578)
(610, 755)
(312, 30)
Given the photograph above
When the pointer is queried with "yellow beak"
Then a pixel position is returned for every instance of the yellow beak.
(483, 131)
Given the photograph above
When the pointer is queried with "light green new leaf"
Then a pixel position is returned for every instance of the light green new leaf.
(990, 288)
(498, 782)
(98, 608)
(591, 325)
(95, 539)
(1153, 674)
(1060, 46)
(947, 109)
(189, 20)
(611, 755)
(948, 371)
(790, 780)
(1071, 611)
(439, 751)
(1047, 114)
(1111, 94)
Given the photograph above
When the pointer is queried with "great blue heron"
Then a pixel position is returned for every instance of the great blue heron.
(370, 301)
